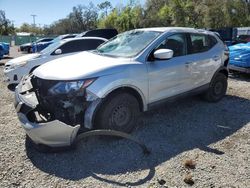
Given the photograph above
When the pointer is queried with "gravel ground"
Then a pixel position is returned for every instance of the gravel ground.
(207, 145)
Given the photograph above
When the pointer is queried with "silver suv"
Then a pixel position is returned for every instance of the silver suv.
(107, 88)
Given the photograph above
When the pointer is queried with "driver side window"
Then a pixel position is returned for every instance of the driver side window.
(176, 42)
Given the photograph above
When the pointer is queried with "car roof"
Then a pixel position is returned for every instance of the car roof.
(104, 33)
(84, 38)
(175, 29)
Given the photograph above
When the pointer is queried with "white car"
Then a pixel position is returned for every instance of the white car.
(17, 68)
(108, 87)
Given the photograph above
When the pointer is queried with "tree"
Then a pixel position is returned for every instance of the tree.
(6, 27)
(25, 27)
(156, 13)
(109, 21)
(81, 18)
(123, 19)
(234, 10)
(195, 12)
(105, 6)
(152, 14)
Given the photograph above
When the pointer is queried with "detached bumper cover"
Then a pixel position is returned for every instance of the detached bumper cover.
(52, 133)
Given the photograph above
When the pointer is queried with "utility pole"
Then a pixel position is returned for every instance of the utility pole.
(34, 19)
(12, 22)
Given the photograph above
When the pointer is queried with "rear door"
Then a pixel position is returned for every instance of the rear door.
(204, 57)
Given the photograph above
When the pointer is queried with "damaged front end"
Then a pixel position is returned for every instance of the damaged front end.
(52, 112)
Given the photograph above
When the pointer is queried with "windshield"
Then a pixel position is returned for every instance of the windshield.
(51, 47)
(128, 44)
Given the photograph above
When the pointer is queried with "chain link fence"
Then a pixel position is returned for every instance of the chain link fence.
(19, 40)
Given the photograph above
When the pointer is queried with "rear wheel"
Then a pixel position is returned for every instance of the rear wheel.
(217, 88)
(118, 112)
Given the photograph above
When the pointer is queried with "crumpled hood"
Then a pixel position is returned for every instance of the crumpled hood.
(80, 66)
(21, 59)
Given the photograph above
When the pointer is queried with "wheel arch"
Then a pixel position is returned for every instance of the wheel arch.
(90, 119)
(131, 90)
(223, 70)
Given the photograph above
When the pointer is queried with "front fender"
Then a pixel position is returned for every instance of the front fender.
(105, 85)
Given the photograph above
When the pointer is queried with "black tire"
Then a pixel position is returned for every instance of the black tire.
(217, 88)
(118, 112)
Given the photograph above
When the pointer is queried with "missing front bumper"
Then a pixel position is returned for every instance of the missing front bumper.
(52, 133)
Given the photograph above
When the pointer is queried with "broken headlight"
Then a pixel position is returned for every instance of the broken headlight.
(70, 87)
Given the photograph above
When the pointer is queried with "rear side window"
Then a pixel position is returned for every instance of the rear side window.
(80, 45)
(201, 43)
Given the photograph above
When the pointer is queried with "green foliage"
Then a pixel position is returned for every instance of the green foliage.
(235, 10)
(105, 7)
(155, 13)
(81, 18)
(123, 18)
(5, 26)
(25, 27)
(182, 13)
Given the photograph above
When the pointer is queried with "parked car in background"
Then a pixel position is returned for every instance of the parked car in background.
(240, 58)
(27, 47)
(108, 87)
(228, 35)
(39, 46)
(104, 33)
(1, 52)
(233, 35)
(4, 49)
(15, 69)
(243, 39)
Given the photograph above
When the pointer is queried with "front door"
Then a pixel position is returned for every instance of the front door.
(169, 77)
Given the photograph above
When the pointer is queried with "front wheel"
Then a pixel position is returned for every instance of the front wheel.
(217, 88)
(118, 113)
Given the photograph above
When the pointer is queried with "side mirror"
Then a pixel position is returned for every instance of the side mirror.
(58, 51)
(163, 54)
